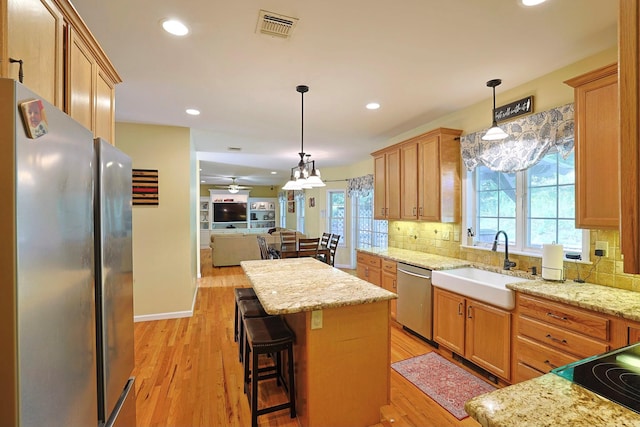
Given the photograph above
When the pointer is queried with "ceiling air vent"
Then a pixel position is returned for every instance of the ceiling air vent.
(274, 24)
(234, 148)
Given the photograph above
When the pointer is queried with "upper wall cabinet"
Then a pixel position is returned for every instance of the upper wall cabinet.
(386, 184)
(596, 148)
(429, 185)
(629, 60)
(62, 61)
(32, 31)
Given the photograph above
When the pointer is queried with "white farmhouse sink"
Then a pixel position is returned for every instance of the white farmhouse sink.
(481, 285)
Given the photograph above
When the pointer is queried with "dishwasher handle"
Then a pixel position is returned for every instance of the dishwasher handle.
(410, 273)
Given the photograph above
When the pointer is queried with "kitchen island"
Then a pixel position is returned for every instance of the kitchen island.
(342, 326)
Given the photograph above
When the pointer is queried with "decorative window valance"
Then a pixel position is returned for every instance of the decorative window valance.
(529, 140)
(360, 186)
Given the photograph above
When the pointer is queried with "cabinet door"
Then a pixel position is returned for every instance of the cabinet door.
(596, 148)
(409, 181)
(105, 107)
(80, 81)
(448, 320)
(393, 184)
(390, 282)
(35, 35)
(634, 335)
(429, 178)
(488, 338)
(379, 187)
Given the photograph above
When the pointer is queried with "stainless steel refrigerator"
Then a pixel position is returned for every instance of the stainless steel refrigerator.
(66, 316)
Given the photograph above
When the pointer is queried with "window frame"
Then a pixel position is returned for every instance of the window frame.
(342, 242)
(469, 209)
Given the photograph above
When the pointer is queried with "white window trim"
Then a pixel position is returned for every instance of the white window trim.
(468, 221)
(342, 243)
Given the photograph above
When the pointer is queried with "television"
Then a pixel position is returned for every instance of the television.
(230, 212)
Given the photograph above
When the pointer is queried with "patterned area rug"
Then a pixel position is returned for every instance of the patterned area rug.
(441, 380)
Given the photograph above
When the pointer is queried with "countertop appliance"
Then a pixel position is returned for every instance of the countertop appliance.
(415, 301)
(614, 375)
(66, 307)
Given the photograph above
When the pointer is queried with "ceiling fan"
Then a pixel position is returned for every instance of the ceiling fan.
(233, 187)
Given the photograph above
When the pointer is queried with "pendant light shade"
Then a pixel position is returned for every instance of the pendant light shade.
(305, 175)
(495, 133)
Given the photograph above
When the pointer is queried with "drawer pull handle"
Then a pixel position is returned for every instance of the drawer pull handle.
(546, 362)
(555, 316)
(552, 338)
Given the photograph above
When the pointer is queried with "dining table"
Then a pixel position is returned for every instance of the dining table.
(291, 251)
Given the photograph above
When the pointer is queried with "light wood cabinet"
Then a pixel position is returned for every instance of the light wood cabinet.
(63, 62)
(478, 331)
(596, 148)
(427, 183)
(33, 32)
(368, 267)
(439, 194)
(390, 282)
(550, 334)
(409, 182)
(386, 202)
(629, 108)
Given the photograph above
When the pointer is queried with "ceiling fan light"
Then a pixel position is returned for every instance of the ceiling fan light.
(233, 190)
(494, 134)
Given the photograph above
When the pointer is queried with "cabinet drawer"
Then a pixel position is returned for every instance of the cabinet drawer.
(370, 260)
(562, 339)
(389, 266)
(525, 372)
(565, 317)
(540, 357)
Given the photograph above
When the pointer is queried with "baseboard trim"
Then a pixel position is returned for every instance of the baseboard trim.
(169, 315)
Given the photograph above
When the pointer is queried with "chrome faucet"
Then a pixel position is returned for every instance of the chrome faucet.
(507, 264)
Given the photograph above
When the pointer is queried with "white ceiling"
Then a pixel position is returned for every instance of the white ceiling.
(420, 59)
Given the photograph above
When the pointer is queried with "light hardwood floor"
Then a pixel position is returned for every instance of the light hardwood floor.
(188, 374)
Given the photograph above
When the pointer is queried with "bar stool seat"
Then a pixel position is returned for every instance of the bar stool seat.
(247, 309)
(241, 294)
(268, 335)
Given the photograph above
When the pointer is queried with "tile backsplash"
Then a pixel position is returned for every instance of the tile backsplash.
(445, 239)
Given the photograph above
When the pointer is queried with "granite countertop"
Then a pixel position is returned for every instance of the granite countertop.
(293, 285)
(419, 259)
(602, 299)
(548, 401)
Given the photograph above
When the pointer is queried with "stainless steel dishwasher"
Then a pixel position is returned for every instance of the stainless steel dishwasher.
(415, 304)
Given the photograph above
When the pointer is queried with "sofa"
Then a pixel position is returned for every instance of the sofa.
(230, 246)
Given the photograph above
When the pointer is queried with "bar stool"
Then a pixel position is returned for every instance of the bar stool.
(247, 309)
(268, 335)
(241, 294)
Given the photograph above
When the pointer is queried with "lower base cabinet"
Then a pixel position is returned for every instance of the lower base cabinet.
(477, 331)
(390, 282)
(368, 268)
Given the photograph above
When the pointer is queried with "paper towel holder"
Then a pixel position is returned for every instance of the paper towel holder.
(561, 270)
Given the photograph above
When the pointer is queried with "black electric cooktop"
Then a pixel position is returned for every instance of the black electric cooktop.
(614, 375)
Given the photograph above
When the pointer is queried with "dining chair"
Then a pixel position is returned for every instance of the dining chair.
(288, 244)
(333, 245)
(264, 248)
(324, 242)
(308, 247)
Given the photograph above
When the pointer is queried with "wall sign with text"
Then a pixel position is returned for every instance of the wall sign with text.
(517, 108)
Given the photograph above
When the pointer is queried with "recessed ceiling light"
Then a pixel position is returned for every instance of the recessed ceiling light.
(373, 106)
(192, 111)
(175, 27)
(532, 2)
(203, 181)
(274, 173)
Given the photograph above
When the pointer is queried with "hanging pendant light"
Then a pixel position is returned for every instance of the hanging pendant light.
(305, 175)
(494, 133)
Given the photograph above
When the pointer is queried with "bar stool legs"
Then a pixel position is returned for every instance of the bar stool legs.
(268, 335)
